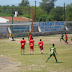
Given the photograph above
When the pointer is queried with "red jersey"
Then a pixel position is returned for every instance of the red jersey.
(30, 36)
(22, 43)
(65, 36)
(40, 43)
(31, 42)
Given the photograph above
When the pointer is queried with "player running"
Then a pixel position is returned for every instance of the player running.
(66, 38)
(52, 52)
(62, 37)
(23, 42)
(40, 44)
(31, 43)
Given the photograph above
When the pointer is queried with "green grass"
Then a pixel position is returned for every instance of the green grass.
(37, 62)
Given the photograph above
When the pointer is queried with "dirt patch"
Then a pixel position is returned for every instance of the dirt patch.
(6, 65)
(33, 67)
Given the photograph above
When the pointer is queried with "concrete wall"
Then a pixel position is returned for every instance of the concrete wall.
(35, 34)
(3, 30)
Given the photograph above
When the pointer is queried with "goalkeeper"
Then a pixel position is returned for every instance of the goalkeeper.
(52, 52)
(11, 36)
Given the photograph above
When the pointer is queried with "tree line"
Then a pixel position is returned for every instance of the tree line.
(45, 12)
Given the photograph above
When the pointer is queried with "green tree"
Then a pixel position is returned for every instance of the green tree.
(47, 5)
(43, 18)
(68, 12)
(39, 12)
(24, 3)
(56, 14)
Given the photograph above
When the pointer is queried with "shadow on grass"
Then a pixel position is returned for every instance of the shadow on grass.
(59, 62)
(54, 62)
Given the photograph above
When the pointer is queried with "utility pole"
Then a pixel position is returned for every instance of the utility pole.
(35, 10)
(64, 11)
(32, 20)
(29, 13)
(12, 20)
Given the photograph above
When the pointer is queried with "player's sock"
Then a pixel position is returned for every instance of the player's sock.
(30, 51)
(48, 58)
(56, 59)
(41, 51)
(21, 51)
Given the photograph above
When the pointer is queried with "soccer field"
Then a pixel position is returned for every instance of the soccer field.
(11, 59)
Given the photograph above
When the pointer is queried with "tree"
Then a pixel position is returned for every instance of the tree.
(39, 12)
(56, 14)
(47, 5)
(43, 18)
(24, 3)
(68, 13)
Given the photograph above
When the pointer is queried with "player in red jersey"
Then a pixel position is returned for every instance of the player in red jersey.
(66, 38)
(31, 43)
(40, 43)
(30, 36)
(23, 42)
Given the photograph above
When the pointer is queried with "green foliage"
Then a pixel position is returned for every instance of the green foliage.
(39, 12)
(2, 14)
(56, 14)
(9, 15)
(50, 18)
(68, 12)
(43, 18)
(24, 3)
(47, 5)
(45, 12)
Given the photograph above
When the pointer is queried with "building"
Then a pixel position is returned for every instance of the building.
(15, 20)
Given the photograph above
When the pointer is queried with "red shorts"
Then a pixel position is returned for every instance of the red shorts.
(41, 47)
(31, 47)
(22, 47)
(65, 39)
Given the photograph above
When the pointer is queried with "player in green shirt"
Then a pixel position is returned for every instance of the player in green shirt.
(62, 37)
(52, 52)
(28, 34)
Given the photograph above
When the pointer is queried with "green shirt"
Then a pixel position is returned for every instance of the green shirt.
(62, 35)
(52, 50)
(29, 33)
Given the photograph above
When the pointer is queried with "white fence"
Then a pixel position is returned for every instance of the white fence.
(37, 26)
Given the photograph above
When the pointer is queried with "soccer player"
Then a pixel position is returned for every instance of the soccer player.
(66, 38)
(52, 52)
(23, 42)
(62, 37)
(11, 36)
(28, 34)
(31, 43)
(40, 44)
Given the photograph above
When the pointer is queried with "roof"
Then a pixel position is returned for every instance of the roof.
(2, 20)
(17, 18)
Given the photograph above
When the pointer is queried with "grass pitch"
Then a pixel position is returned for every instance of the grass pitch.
(11, 59)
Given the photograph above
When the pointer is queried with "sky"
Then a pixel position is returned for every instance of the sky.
(32, 2)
